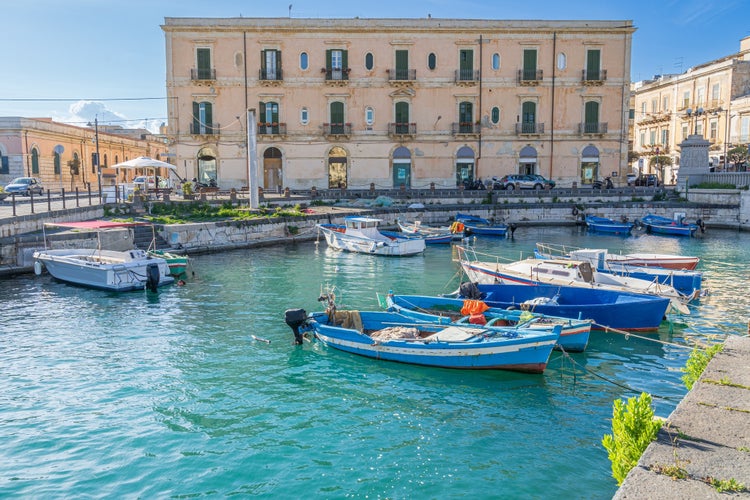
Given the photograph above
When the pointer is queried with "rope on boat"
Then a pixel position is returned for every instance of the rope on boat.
(631, 334)
(608, 380)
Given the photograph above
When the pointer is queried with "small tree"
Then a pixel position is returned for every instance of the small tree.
(738, 155)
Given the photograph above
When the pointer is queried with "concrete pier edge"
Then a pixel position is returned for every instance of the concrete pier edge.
(707, 436)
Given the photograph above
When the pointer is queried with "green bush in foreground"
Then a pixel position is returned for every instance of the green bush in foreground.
(697, 362)
(633, 428)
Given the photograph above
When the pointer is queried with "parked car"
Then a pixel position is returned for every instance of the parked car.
(25, 186)
(647, 180)
(529, 181)
(631, 179)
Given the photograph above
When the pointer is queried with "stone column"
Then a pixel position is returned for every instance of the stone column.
(693, 161)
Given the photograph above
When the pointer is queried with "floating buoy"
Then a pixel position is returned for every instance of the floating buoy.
(38, 268)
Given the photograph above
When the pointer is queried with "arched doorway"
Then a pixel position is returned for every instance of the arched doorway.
(589, 164)
(207, 173)
(272, 175)
(527, 161)
(401, 167)
(464, 166)
(337, 162)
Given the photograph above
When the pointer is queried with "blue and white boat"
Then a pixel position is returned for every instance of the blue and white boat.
(665, 225)
(574, 336)
(480, 226)
(607, 308)
(391, 336)
(360, 234)
(687, 282)
(606, 225)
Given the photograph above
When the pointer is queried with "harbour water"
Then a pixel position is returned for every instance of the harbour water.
(169, 395)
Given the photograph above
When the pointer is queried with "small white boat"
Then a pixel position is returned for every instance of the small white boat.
(360, 234)
(113, 270)
(667, 261)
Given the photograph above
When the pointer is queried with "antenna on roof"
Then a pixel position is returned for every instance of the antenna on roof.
(290, 10)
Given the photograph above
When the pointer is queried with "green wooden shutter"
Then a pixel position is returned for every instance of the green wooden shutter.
(209, 119)
(466, 61)
(591, 117)
(328, 59)
(203, 57)
(529, 60)
(402, 60)
(593, 61)
(402, 118)
(261, 112)
(344, 60)
(196, 115)
(337, 117)
(263, 63)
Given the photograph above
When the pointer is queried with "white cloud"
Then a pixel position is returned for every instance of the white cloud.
(83, 112)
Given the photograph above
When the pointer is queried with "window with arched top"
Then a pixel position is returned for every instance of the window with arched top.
(562, 61)
(369, 61)
(495, 115)
(35, 161)
(56, 164)
(369, 115)
(303, 61)
(496, 61)
(432, 61)
(304, 116)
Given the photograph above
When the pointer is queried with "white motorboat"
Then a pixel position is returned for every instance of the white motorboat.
(360, 234)
(113, 270)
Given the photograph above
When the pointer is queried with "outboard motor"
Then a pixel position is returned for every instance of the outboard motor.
(512, 226)
(295, 318)
(152, 277)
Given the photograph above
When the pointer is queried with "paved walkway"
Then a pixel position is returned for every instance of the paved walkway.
(707, 437)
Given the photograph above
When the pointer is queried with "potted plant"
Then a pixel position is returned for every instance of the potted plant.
(187, 190)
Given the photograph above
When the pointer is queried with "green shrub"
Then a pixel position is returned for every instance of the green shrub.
(697, 362)
(633, 428)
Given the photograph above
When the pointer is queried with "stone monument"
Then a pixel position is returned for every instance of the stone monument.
(693, 161)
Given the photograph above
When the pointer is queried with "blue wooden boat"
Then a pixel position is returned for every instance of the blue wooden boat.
(395, 337)
(574, 335)
(665, 225)
(607, 308)
(480, 226)
(606, 225)
(429, 239)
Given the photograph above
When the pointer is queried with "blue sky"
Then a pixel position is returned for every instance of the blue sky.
(106, 57)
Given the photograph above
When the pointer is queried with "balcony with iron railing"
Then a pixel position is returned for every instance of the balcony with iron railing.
(397, 129)
(530, 76)
(594, 77)
(592, 128)
(270, 75)
(463, 128)
(337, 129)
(467, 76)
(336, 75)
(529, 128)
(205, 129)
(401, 75)
(202, 74)
(271, 128)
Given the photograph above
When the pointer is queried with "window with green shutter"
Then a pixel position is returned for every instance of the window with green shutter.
(593, 64)
(529, 64)
(591, 117)
(203, 60)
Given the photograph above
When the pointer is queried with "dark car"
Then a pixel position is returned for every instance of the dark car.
(648, 180)
(528, 181)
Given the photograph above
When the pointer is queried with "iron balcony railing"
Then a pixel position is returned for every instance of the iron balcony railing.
(202, 74)
(337, 128)
(270, 74)
(271, 128)
(336, 74)
(465, 128)
(529, 128)
(593, 128)
(402, 75)
(467, 75)
(529, 75)
(398, 128)
(205, 129)
(594, 76)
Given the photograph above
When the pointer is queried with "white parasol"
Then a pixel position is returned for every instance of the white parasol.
(144, 162)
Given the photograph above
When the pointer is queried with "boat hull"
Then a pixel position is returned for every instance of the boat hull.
(526, 353)
(603, 225)
(103, 270)
(382, 245)
(607, 309)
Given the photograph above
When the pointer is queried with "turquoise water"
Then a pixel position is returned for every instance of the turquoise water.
(169, 396)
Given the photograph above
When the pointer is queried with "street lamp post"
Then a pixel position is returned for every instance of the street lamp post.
(96, 158)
